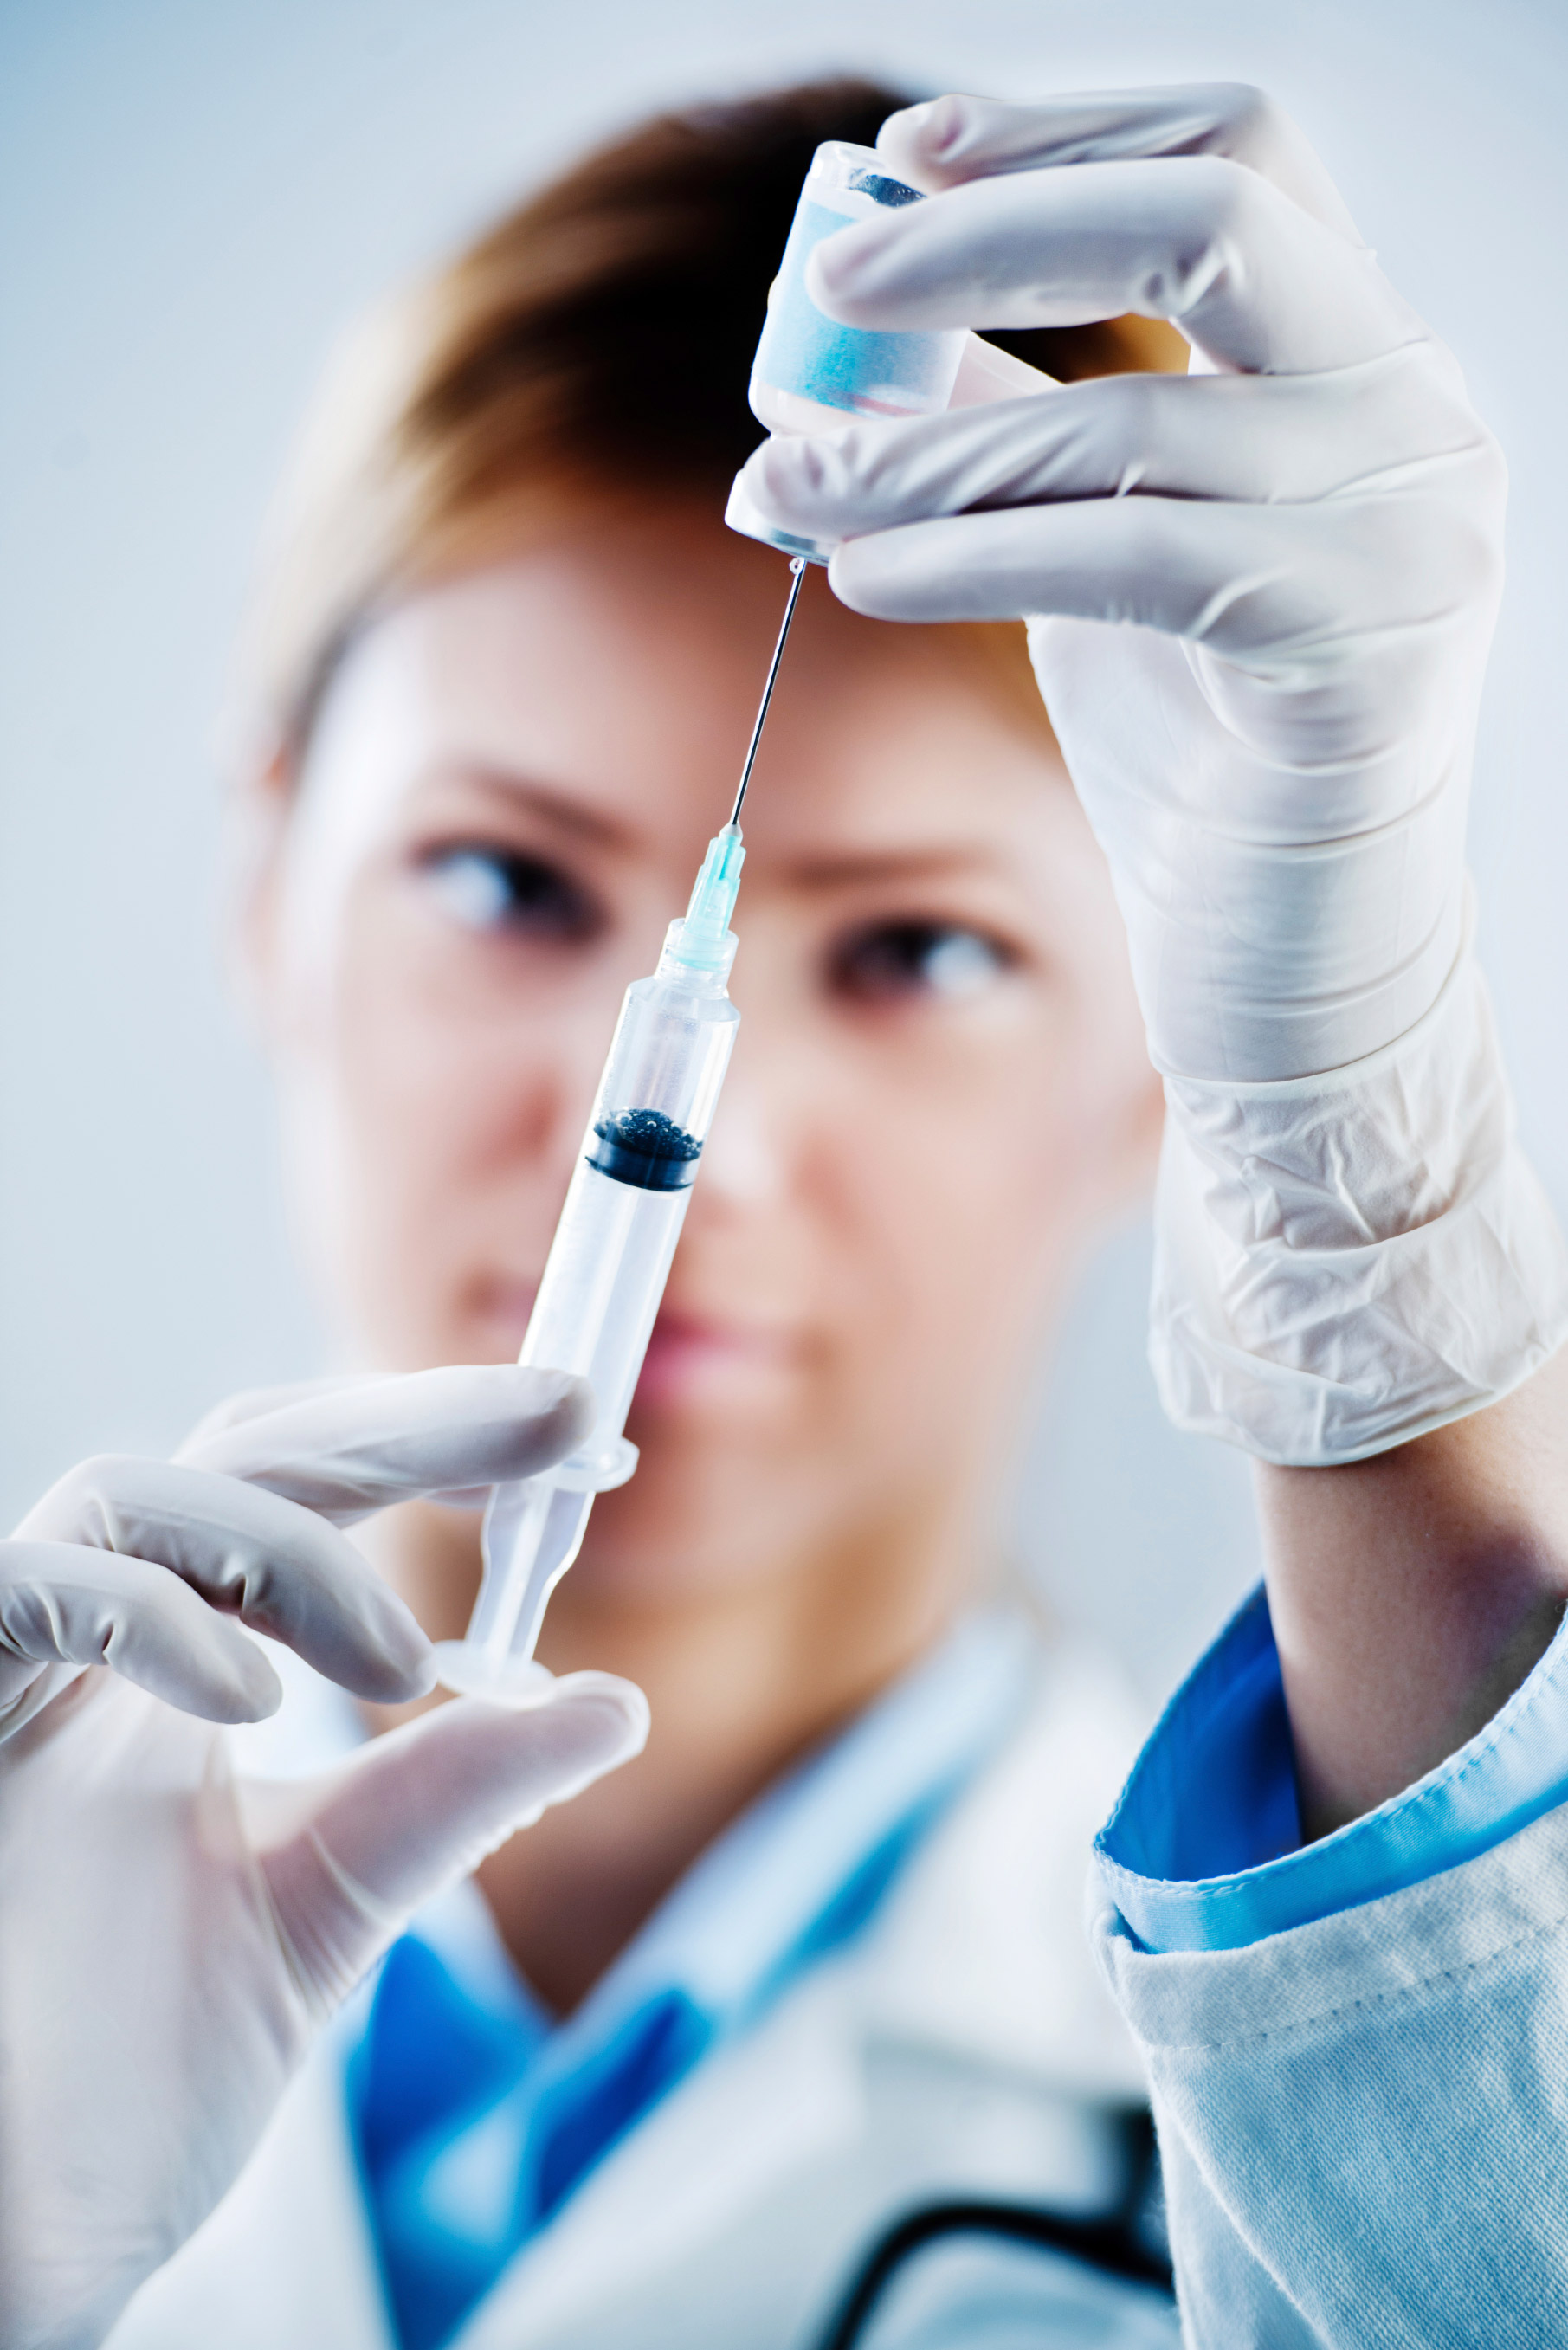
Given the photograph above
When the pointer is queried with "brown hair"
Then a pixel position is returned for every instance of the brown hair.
(596, 340)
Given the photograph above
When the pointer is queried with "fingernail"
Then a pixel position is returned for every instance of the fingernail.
(834, 267)
(777, 468)
(908, 117)
(541, 1385)
(257, 1689)
(608, 1695)
(416, 1674)
(937, 126)
(947, 128)
(402, 1641)
(637, 1717)
(550, 1393)
(630, 1739)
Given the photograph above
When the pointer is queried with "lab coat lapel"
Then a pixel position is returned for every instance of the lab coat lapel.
(771, 2105)
(977, 1965)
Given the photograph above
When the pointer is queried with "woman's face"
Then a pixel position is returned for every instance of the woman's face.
(939, 1085)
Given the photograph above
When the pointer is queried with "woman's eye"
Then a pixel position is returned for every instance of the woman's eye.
(501, 889)
(945, 959)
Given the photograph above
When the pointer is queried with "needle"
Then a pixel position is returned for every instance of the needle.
(797, 565)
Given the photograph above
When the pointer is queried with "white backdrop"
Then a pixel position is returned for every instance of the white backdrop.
(194, 194)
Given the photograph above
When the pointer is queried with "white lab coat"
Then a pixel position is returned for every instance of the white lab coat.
(1364, 2121)
(963, 2045)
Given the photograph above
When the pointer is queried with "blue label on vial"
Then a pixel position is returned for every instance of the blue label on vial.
(804, 351)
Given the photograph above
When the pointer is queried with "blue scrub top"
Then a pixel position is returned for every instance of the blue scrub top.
(1204, 1852)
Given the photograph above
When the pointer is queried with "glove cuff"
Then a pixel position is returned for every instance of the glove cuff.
(1347, 1261)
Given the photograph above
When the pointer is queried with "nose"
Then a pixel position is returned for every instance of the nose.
(745, 1161)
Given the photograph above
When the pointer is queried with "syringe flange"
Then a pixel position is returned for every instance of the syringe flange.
(596, 1472)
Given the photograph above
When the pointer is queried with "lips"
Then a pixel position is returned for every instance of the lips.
(693, 1359)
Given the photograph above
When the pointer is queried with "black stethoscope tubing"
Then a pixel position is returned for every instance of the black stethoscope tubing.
(1105, 2245)
(1116, 2246)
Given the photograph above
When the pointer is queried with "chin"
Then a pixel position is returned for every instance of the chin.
(698, 1518)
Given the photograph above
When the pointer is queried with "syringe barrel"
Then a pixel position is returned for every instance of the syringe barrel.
(605, 1272)
(604, 1278)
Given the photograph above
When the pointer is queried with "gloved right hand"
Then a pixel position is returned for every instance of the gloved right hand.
(1260, 599)
(170, 1938)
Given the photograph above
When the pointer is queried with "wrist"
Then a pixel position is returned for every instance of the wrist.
(1347, 1261)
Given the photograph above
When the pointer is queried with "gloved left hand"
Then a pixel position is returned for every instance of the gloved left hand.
(172, 1938)
(1261, 598)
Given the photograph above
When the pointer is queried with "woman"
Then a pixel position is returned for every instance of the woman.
(824, 2022)
(492, 755)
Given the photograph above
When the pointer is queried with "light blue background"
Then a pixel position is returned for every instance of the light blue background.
(194, 194)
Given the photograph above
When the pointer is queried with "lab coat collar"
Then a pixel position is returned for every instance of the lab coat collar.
(978, 1960)
(534, 2112)
(728, 1935)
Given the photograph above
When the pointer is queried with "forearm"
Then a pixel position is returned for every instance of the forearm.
(1412, 1593)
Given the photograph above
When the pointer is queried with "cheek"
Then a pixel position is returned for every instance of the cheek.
(967, 1197)
(430, 1126)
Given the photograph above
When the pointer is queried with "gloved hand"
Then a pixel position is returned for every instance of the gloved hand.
(171, 1938)
(1298, 548)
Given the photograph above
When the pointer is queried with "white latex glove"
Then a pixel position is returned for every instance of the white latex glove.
(1301, 546)
(172, 1938)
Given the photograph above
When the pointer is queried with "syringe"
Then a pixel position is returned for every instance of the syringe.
(603, 1277)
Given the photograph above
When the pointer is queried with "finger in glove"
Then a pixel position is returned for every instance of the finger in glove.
(245, 1551)
(421, 1806)
(61, 1603)
(349, 1448)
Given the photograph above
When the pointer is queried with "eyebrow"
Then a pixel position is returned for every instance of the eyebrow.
(844, 868)
(871, 864)
(562, 810)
